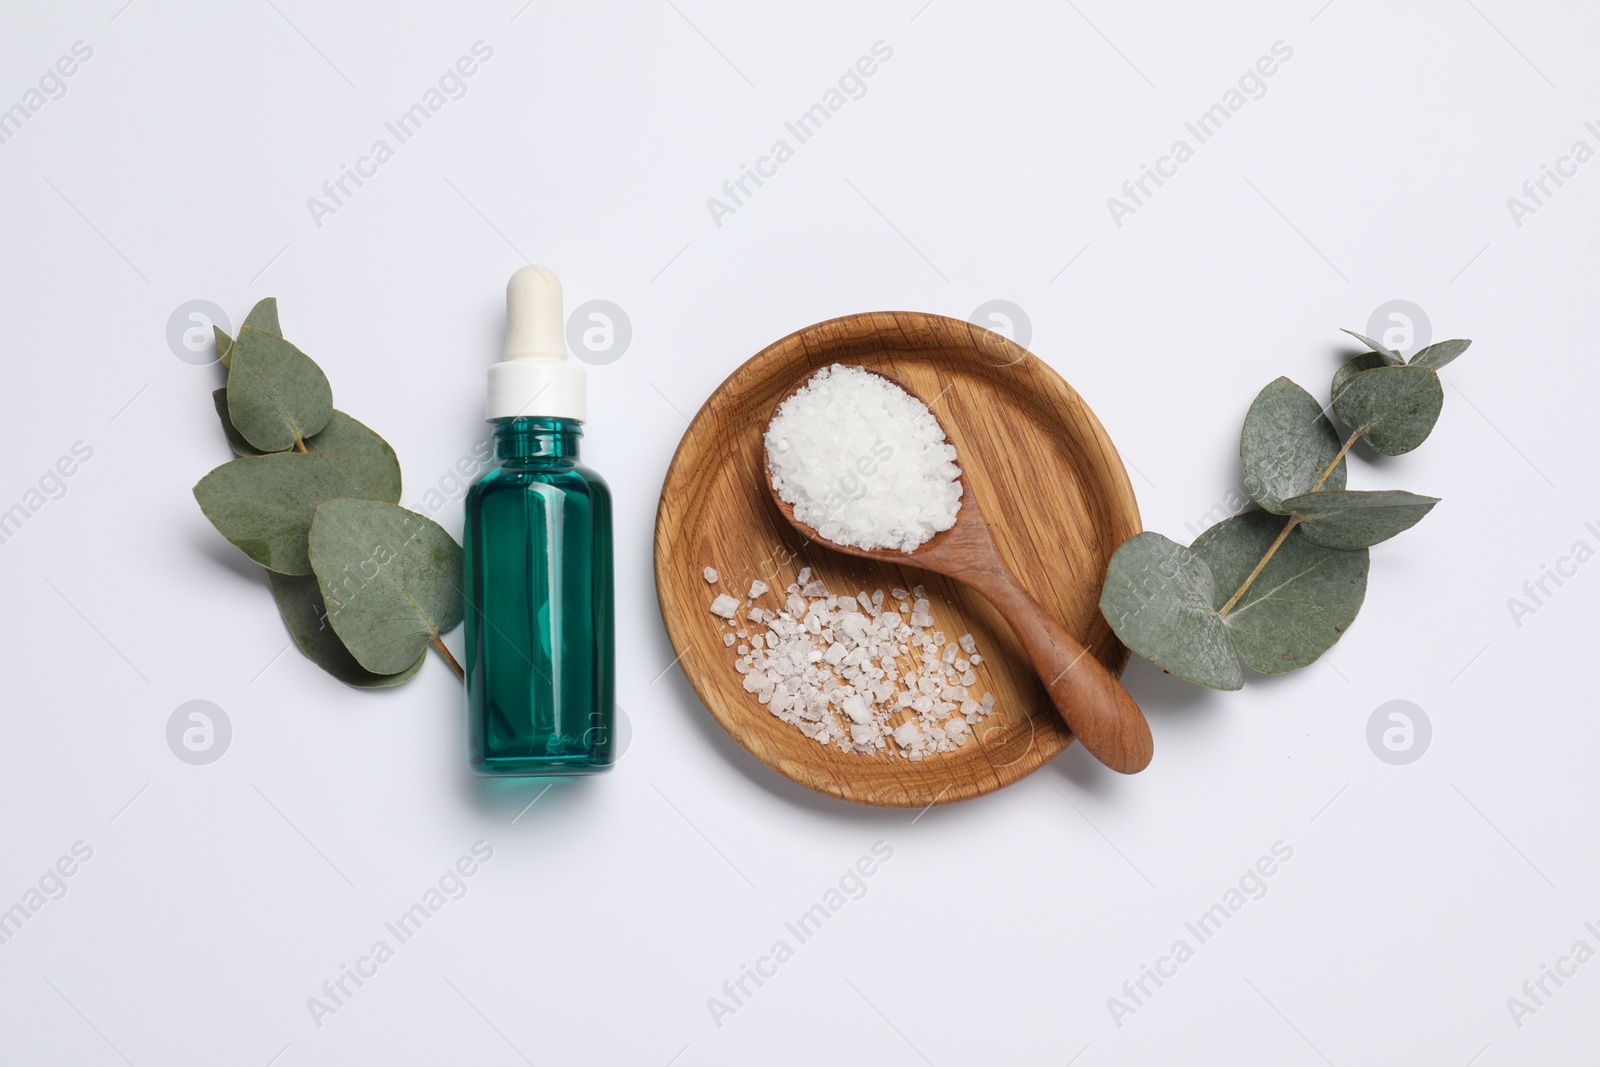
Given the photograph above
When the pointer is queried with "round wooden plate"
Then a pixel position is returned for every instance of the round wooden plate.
(1046, 477)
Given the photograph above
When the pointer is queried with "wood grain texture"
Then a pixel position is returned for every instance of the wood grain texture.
(1033, 455)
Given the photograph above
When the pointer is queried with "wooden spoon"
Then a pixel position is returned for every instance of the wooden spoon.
(1098, 710)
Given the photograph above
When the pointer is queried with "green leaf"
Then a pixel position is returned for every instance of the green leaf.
(1286, 444)
(277, 396)
(1158, 597)
(300, 604)
(236, 441)
(391, 579)
(1351, 519)
(1437, 355)
(1353, 366)
(1389, 355)
(264, 504)
(264, 317)
(1300, 604)
(344, 437)
(1395, 407)
(350, 439)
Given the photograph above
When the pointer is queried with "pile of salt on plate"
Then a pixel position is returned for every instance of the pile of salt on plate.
(863, 462)
(852, 672)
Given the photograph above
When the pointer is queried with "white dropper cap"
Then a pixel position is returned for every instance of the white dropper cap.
(535, 378)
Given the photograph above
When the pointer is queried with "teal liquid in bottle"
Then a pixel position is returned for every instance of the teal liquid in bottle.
(539, 624)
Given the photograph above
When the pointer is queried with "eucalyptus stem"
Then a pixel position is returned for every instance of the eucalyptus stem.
(438, 644)
(1294, 520)
(1347, 443)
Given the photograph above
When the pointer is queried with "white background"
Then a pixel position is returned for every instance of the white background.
(976, 166)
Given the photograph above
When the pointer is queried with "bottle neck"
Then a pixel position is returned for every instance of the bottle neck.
(530, 442)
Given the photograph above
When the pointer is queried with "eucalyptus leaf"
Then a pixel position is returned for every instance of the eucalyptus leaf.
(264, 316)
(1351, 519)
(1353, 366)
(264, 504)
(353, 440)
(1389, 355)
(277, 396)
(236, 441)
(1437, 355)
(391, 579)
(1395, 407)
(300, 603)
(1300, 604)
(1286, 444)
(1158, 597)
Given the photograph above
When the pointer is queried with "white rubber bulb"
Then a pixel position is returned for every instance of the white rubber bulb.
(535, 379)
(534, 320)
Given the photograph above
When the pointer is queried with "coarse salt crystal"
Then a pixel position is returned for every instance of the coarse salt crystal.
(757, 587)
(725, 606)
(710, 575)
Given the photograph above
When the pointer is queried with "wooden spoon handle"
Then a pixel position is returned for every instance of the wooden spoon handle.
(1098, 710)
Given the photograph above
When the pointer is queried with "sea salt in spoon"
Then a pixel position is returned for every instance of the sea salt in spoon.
(1098, 710)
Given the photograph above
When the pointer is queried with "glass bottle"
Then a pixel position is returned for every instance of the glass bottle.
(539, 624)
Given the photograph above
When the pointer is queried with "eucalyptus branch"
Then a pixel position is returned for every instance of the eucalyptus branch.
(326, 522)
(1309, 536)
